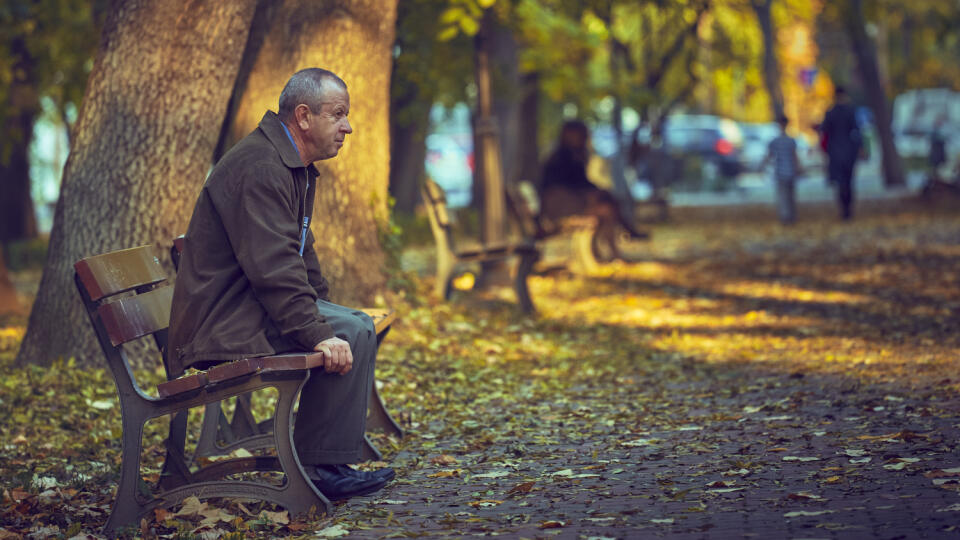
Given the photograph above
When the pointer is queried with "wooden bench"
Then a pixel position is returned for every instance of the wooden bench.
(579, 231)
(126, 299)
(450, 259)
(220, 436)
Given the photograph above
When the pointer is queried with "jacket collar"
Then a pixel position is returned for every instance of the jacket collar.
(273, 129)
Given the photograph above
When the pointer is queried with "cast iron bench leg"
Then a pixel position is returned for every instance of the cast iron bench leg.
(527, 261)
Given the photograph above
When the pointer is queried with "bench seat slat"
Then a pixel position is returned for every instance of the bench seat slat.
(382, 317)
(241, 368)
(129, 318)
(182, 384)
(119, 271)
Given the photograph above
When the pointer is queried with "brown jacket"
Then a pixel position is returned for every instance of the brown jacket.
(242, 288)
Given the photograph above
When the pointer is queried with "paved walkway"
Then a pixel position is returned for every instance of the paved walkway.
(760, 444)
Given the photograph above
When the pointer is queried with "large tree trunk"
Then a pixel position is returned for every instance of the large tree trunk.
(17, 219)
(354, 39)
(771, 67)
(142, 145)
(866, 54)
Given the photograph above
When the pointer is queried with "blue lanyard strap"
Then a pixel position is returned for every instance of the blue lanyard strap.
(303, 233)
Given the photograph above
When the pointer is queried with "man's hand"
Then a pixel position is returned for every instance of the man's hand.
(337, 357)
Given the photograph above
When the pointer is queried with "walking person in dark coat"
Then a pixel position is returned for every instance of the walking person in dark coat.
(250, 284)
(841, 138)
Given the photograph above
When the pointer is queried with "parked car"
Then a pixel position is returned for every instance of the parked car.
(718, 142)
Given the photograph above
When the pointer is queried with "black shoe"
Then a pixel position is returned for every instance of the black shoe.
(336, 485)
(385, 473)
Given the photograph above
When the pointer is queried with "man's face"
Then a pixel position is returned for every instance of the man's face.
(327, 128)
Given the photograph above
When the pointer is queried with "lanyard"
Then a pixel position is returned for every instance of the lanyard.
(306, 218)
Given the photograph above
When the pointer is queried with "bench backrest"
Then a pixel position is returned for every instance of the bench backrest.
(436, 204)
(525, 216)
(125, 298)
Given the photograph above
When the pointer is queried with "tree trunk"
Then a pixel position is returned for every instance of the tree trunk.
(505, 95)
(866, 55)
(408, 149)
(771, 67)
(528, 148)
(17, 219)
(354, 39)
(142, 145)
(493, 227)
(618, 168)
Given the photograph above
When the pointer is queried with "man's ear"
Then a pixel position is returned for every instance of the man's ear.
(302, 115)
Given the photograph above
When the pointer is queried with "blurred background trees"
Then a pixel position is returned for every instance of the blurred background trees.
(625, 67)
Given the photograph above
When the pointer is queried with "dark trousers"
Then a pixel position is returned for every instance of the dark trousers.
(333, 408)
(841, 175)
(786, 200)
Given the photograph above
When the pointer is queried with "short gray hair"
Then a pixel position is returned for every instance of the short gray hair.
(306, 86)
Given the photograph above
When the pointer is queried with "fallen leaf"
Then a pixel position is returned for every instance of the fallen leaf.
(335, 531)
(280, 518)
(191, 507)
(445, 474)
(485, 503)
(803, 496)
(443, 459)
(551, 524)
(800, 458)
(522, 488)
(802, 513)
(492, 474)
(639, 442)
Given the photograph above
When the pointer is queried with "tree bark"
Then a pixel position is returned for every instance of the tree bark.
(493, 228)
(771, 67)
(618, 56)
(489, 164)
(505, 95)
(142, 145)
(408, 149)
(17, 219)
(874, 88)
(528, 147)
(354, 39)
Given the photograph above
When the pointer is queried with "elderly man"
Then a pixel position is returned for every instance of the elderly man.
(250, 284)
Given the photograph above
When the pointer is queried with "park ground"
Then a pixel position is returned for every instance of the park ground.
(739, 380)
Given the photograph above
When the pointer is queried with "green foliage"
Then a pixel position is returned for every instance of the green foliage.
(426, 70)
(27, 254)
(46, 49)
(918, 41)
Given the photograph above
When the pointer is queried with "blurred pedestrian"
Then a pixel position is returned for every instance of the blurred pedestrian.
(786, 167)
(938, 150)
(566, 191)
(840, 137)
